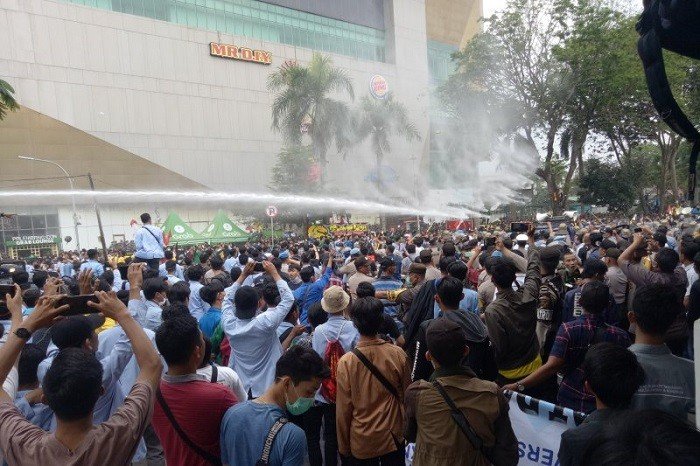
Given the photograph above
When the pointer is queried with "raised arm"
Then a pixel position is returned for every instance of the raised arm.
(274, 316)
(147, 358)
(137, 307)
(519, 261)
(228, 308)
(476, 252)
(45, 313)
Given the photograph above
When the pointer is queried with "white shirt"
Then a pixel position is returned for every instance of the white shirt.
(255, 347)
(197, 306)
(172, 279)
(692, 276)
(336, 328)
(179, 273)
(228, 378)
(149, 246)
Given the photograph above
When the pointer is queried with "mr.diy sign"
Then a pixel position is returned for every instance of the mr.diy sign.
(240, 53)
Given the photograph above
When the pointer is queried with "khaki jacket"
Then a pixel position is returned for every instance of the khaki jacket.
(439, 441)
(369, 419)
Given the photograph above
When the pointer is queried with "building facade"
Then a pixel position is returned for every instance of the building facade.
(172, 94)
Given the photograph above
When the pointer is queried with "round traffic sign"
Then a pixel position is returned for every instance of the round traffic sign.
(271, 211)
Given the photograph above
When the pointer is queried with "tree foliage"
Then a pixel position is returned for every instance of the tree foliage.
(305, 96)
(293, 171)
(7, 100)
(379, 120)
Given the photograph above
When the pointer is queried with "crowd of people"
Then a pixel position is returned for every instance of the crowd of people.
(344, 350)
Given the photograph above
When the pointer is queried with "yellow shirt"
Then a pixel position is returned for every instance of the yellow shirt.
(522, 371)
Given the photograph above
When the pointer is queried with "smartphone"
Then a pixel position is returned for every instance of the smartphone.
(4, 289)
(78, 304)
(519, 227)
(258, 266)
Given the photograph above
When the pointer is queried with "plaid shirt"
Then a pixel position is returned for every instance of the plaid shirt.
(571, 344)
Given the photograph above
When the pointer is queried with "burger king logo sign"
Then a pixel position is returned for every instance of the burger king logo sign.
(378, 87)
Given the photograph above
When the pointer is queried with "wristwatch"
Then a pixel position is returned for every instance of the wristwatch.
(520, 387)
(23, 333)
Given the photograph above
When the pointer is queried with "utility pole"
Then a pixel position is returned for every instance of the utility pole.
(99, 222)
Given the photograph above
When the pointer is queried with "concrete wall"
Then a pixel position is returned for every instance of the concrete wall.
(151, 88)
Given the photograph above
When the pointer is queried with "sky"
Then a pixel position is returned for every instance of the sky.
(492, 6)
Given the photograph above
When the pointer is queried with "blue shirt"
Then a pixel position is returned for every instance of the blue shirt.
(315, 293)
(91, 264)
(66, 269)
(385, 283)
(230, 263)
(244, 446)
(149, 246)
(209, 321)
(469, 303)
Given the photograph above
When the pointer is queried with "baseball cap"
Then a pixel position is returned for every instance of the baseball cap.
(72, 331)
(284, 255)
(445, 338)
(521, 238)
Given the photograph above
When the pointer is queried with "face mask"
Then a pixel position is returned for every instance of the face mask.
(163, 303)
(300, 406)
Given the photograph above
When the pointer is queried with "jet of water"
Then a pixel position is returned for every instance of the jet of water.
(179, 197)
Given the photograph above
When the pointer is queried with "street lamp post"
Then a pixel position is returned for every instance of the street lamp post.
(72, 194)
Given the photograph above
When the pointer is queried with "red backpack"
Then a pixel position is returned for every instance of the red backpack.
(334, 351)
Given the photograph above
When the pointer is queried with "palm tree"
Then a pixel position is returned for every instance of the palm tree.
(303, 103)
(380, 120)
(7, 102)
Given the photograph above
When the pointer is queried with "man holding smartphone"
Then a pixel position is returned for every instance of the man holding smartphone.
(71, 388)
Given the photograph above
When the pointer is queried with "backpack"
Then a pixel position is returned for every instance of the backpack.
(334, 351)
(671, 25)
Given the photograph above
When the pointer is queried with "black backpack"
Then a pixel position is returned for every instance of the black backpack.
(672, 25)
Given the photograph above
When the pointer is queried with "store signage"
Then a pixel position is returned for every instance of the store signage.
(240, 53)
(27, 240)
(322, 231)
(378, 86)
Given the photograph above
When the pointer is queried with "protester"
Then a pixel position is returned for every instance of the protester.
(195, 275)
(247, 427)
(92, 264)
(331, 340)
(212, 294)
(569, 350)
(149, 244)
(71, 388)
(430, 423)
(511, 320)
(311, 290)
(255, 346)
(480, 358)
(362, 265)
(670, 381)
(189, 409)
(371, 382)
(612, 375)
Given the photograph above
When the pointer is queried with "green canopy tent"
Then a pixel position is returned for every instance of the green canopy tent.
(223, 230)
(176, 231)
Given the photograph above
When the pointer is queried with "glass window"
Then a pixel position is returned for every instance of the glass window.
(259, 20)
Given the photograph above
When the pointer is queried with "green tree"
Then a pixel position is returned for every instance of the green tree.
(293, 171)
(608, 184)
(7, 101)
(379, 120)
(304, 96)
